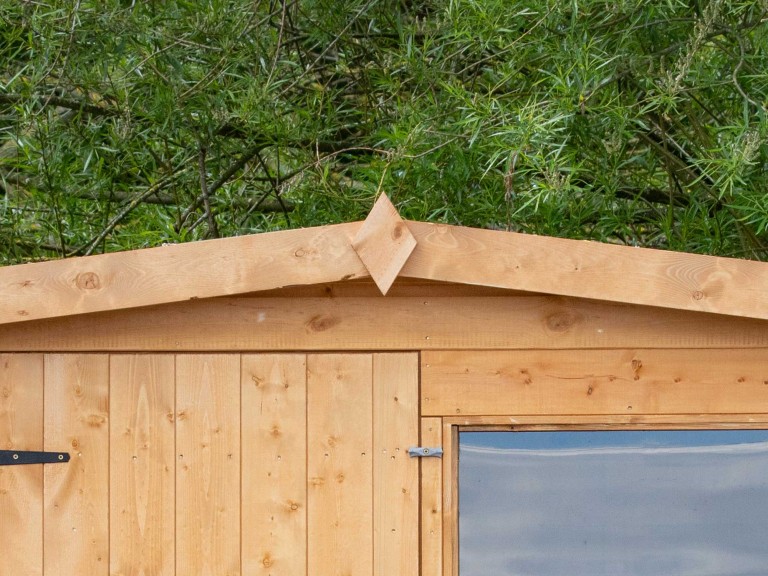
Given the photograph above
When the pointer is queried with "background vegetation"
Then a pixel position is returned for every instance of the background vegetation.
(130, 124)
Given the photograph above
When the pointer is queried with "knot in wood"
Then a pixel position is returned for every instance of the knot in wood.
(88, 281)
(322, 322)
(95, 420)
(698, 295)
(560, 321)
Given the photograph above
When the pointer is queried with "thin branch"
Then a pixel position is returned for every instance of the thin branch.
(213, 229)
(735, 74)
(69, 103)
(327, 48)
(88, 248)
(253, 208)
(279, 42)
(275, 185)
(234, 168)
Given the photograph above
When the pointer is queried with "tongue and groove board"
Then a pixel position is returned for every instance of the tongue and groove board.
(208, 465)
(211, 464)
(142, 465)
(395, 474)
(274, 441)
(76, 524)
(21, 487)
(339, 462)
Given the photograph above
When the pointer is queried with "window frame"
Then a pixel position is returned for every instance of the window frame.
(450, 426)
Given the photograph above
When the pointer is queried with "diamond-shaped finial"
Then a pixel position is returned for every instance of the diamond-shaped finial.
(384, 243)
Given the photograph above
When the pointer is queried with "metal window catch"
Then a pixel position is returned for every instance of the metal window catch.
(16, 457)
(425, 452)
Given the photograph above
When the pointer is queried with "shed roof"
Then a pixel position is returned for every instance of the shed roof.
(383, 247)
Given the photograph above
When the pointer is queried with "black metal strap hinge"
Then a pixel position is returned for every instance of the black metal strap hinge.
(15, 457)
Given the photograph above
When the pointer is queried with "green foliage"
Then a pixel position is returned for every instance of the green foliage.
(129, 124)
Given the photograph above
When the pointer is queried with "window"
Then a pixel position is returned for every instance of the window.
(613, 503)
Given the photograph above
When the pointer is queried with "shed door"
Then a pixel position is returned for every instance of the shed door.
(21, 487)
(211, 464)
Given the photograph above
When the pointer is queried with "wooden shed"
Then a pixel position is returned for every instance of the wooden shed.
(247, 405)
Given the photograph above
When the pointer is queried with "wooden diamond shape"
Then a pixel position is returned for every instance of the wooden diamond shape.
(384, 243)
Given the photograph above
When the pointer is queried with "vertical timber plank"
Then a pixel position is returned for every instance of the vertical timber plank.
(76, 517)
(274, 464)
(450, 500)
(395, 474)
(208, 465)
(21, 487)
(431, 500)
(339, 464)
(141, 468)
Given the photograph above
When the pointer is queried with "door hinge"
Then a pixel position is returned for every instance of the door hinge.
(17, 457)
(425, 452)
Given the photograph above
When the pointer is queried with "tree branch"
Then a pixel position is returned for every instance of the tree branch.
(213, 229)
(62, 102)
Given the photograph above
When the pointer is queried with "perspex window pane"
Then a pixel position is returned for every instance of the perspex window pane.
(633, 503)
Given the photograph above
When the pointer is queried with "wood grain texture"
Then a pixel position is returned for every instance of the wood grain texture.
(208, 465)
(384, 243)
(142, 465)
(443, 253)
(339, 464)
(450, 463)
(76, 517)
(594, 382)
(612, 422)
(21, 487)
(178, 272)
(588, 270)
(274, 474)
(356, 323)
(395, 474)
(366, 288)
(431, 500)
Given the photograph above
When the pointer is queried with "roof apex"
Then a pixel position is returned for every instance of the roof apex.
(384, 243)
(384, 247)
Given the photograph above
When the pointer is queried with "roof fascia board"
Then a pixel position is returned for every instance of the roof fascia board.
(586, 269)
(325, 254)
(178, 272)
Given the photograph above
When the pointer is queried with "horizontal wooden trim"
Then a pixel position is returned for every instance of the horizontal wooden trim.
(178, 272)
(611, 422)
(379, 323)
(366, 288)
(588, 270)
(590, 382)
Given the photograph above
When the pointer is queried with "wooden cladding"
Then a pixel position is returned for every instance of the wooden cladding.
(21, 496)
(226, 464)
(274, 464)
(325, 254)
(340, 462)
(142, 463)
(558, 382)
(178, 272)
(402, 323)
